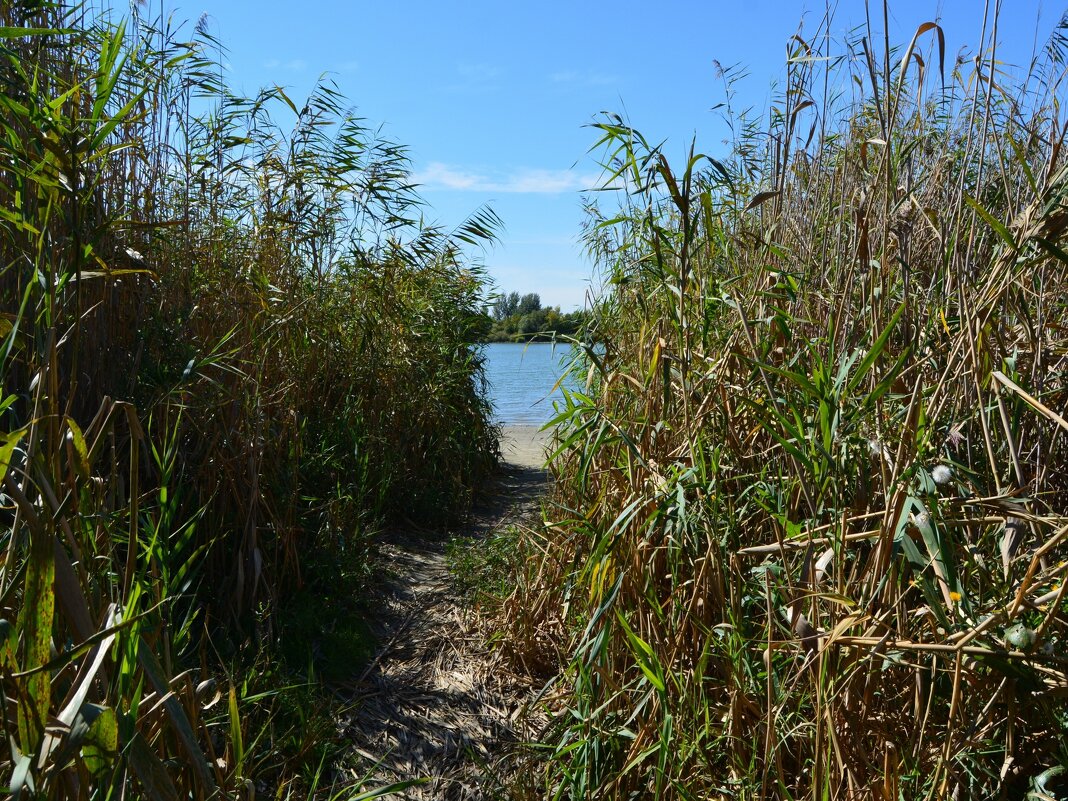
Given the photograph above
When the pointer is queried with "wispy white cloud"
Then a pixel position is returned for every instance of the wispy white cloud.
(347, 67)
(441, 176)
(292, 65)
(475, 78)
(544, 182)
(527, 180)
(582, 78)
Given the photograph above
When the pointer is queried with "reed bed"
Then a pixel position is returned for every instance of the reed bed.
(231, 347)
(809, 536)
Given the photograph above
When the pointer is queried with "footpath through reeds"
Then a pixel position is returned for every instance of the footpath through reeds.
(439, 703)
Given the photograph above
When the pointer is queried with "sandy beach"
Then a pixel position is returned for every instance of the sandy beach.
(524, 445)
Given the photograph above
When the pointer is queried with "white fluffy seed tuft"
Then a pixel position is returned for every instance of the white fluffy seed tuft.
(941, 474)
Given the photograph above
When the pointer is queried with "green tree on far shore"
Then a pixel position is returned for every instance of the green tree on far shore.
(522, 318)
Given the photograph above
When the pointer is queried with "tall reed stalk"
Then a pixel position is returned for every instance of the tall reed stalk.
(810, 532)
(229, 347)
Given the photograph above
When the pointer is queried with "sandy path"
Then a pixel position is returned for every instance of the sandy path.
(436, 703)
(524, 446)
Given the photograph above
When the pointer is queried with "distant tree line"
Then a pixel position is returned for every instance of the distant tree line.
(522, 318)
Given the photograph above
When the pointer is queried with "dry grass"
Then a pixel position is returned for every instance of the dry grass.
(229, 347)
(811, 529)
(439, 702)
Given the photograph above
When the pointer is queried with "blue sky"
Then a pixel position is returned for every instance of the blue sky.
(492, 98)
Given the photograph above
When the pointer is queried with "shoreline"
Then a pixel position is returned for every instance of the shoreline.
(524, 445)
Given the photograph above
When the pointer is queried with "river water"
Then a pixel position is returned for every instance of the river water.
(521, 380)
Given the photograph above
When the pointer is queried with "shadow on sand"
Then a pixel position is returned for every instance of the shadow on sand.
(436, 703)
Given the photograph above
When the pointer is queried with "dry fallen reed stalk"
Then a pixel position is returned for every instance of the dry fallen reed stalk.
(229, 350)
(810, 538)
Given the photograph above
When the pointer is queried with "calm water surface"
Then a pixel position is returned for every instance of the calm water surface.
(521, 378)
